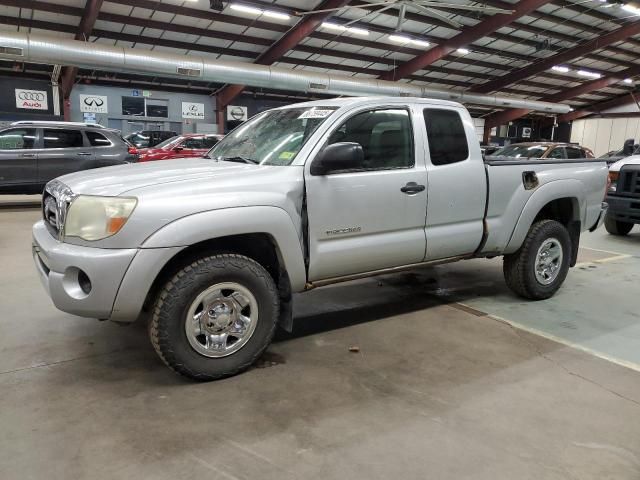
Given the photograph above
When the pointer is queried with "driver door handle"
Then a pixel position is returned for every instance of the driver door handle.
(84, 154)
(412, 188)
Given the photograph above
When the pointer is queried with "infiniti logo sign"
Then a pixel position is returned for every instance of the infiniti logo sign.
(93, 101)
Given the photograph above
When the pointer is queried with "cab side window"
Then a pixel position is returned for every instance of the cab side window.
(447, 138)
(59, 138)
(17, 139)
(386, 137)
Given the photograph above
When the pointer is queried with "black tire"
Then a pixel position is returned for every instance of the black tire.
(519, 267)
(167, 329)
(616, 227)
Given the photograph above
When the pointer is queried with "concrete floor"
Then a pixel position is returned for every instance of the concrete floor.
(443, 387)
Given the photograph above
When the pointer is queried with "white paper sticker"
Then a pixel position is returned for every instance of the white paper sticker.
(316, 113)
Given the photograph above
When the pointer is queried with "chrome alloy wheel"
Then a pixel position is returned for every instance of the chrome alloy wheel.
(221, 320)
(548, 261)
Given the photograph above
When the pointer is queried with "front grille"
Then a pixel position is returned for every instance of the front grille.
(629, 181)
(55, 202)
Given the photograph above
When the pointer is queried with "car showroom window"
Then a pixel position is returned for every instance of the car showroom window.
(17, 139)
(97, 139)
(446, 136)
(134, 106)
(59, 138)
(385, 136)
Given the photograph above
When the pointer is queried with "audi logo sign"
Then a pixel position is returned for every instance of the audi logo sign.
(93, 104)
(31, 99)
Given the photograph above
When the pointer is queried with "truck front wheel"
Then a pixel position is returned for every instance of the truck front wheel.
(215, 317)
(615, 227)
(536, 271)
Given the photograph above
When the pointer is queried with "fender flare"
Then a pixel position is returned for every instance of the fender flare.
(212, 224)
(548, 192)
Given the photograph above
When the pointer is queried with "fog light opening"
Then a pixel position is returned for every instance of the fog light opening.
(85, 283)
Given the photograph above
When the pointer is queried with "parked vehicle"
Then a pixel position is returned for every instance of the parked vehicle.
(623, 196)
(300, 197)
(32, 153)
(149, 138)
(550, 150)
(489, 149)
(180, 146)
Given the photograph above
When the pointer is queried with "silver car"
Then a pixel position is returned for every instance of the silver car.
(32, 153)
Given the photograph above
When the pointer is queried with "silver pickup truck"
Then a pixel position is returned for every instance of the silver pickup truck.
(300, 197)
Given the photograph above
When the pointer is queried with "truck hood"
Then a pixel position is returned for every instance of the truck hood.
(632, 160)
(118, 180)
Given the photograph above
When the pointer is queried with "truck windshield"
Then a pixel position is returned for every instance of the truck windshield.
(521, 151)
(272, 138)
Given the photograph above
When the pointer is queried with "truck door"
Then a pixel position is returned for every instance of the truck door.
(64, 150)
(367, 218)
(457, 184)
(18, 158)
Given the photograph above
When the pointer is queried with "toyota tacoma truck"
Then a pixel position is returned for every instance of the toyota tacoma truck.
(623, 196)
(300, 197)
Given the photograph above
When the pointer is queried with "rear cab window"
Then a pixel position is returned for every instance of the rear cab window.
(446, 136)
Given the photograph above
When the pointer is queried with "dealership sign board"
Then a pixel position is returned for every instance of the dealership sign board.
(237, 113)
(193, 110)
(32, 99)
(93, 104)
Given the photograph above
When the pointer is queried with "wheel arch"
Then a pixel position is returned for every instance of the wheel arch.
(562, 201)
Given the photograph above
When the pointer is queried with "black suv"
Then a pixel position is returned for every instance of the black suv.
(149, 138)
(32, 153)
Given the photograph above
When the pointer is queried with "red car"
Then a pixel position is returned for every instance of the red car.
(180, 146)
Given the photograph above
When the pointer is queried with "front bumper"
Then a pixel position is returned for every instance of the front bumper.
(62, 268)
(624, 209)
(604, 208)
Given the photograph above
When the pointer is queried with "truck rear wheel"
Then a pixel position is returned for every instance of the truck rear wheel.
(616, 227)
(215, 317)
(536, 271)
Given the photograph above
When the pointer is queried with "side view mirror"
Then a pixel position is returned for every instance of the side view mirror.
(178, 149)
(336, 157)
(628, 147)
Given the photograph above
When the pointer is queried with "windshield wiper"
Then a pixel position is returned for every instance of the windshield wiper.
(238, 159)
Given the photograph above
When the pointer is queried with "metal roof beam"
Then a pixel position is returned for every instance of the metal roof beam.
(464, 38)
(88, 20)
(287, 42)
(560, 58)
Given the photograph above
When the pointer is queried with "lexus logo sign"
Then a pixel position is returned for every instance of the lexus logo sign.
(31, 99)
(193, 110)
(93, 104)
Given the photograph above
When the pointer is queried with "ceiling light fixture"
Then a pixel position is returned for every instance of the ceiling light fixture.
(404, 40)
(631, 9)
(245, 9)
(628, 80)
(586, 73)
(258, 11)
(560, 68)
(463, 51)
(342, 28)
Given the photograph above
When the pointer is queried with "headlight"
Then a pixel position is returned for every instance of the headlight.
(94, 218)
(612, 182)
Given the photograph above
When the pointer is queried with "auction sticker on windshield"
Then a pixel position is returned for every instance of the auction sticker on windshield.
(316, 113)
